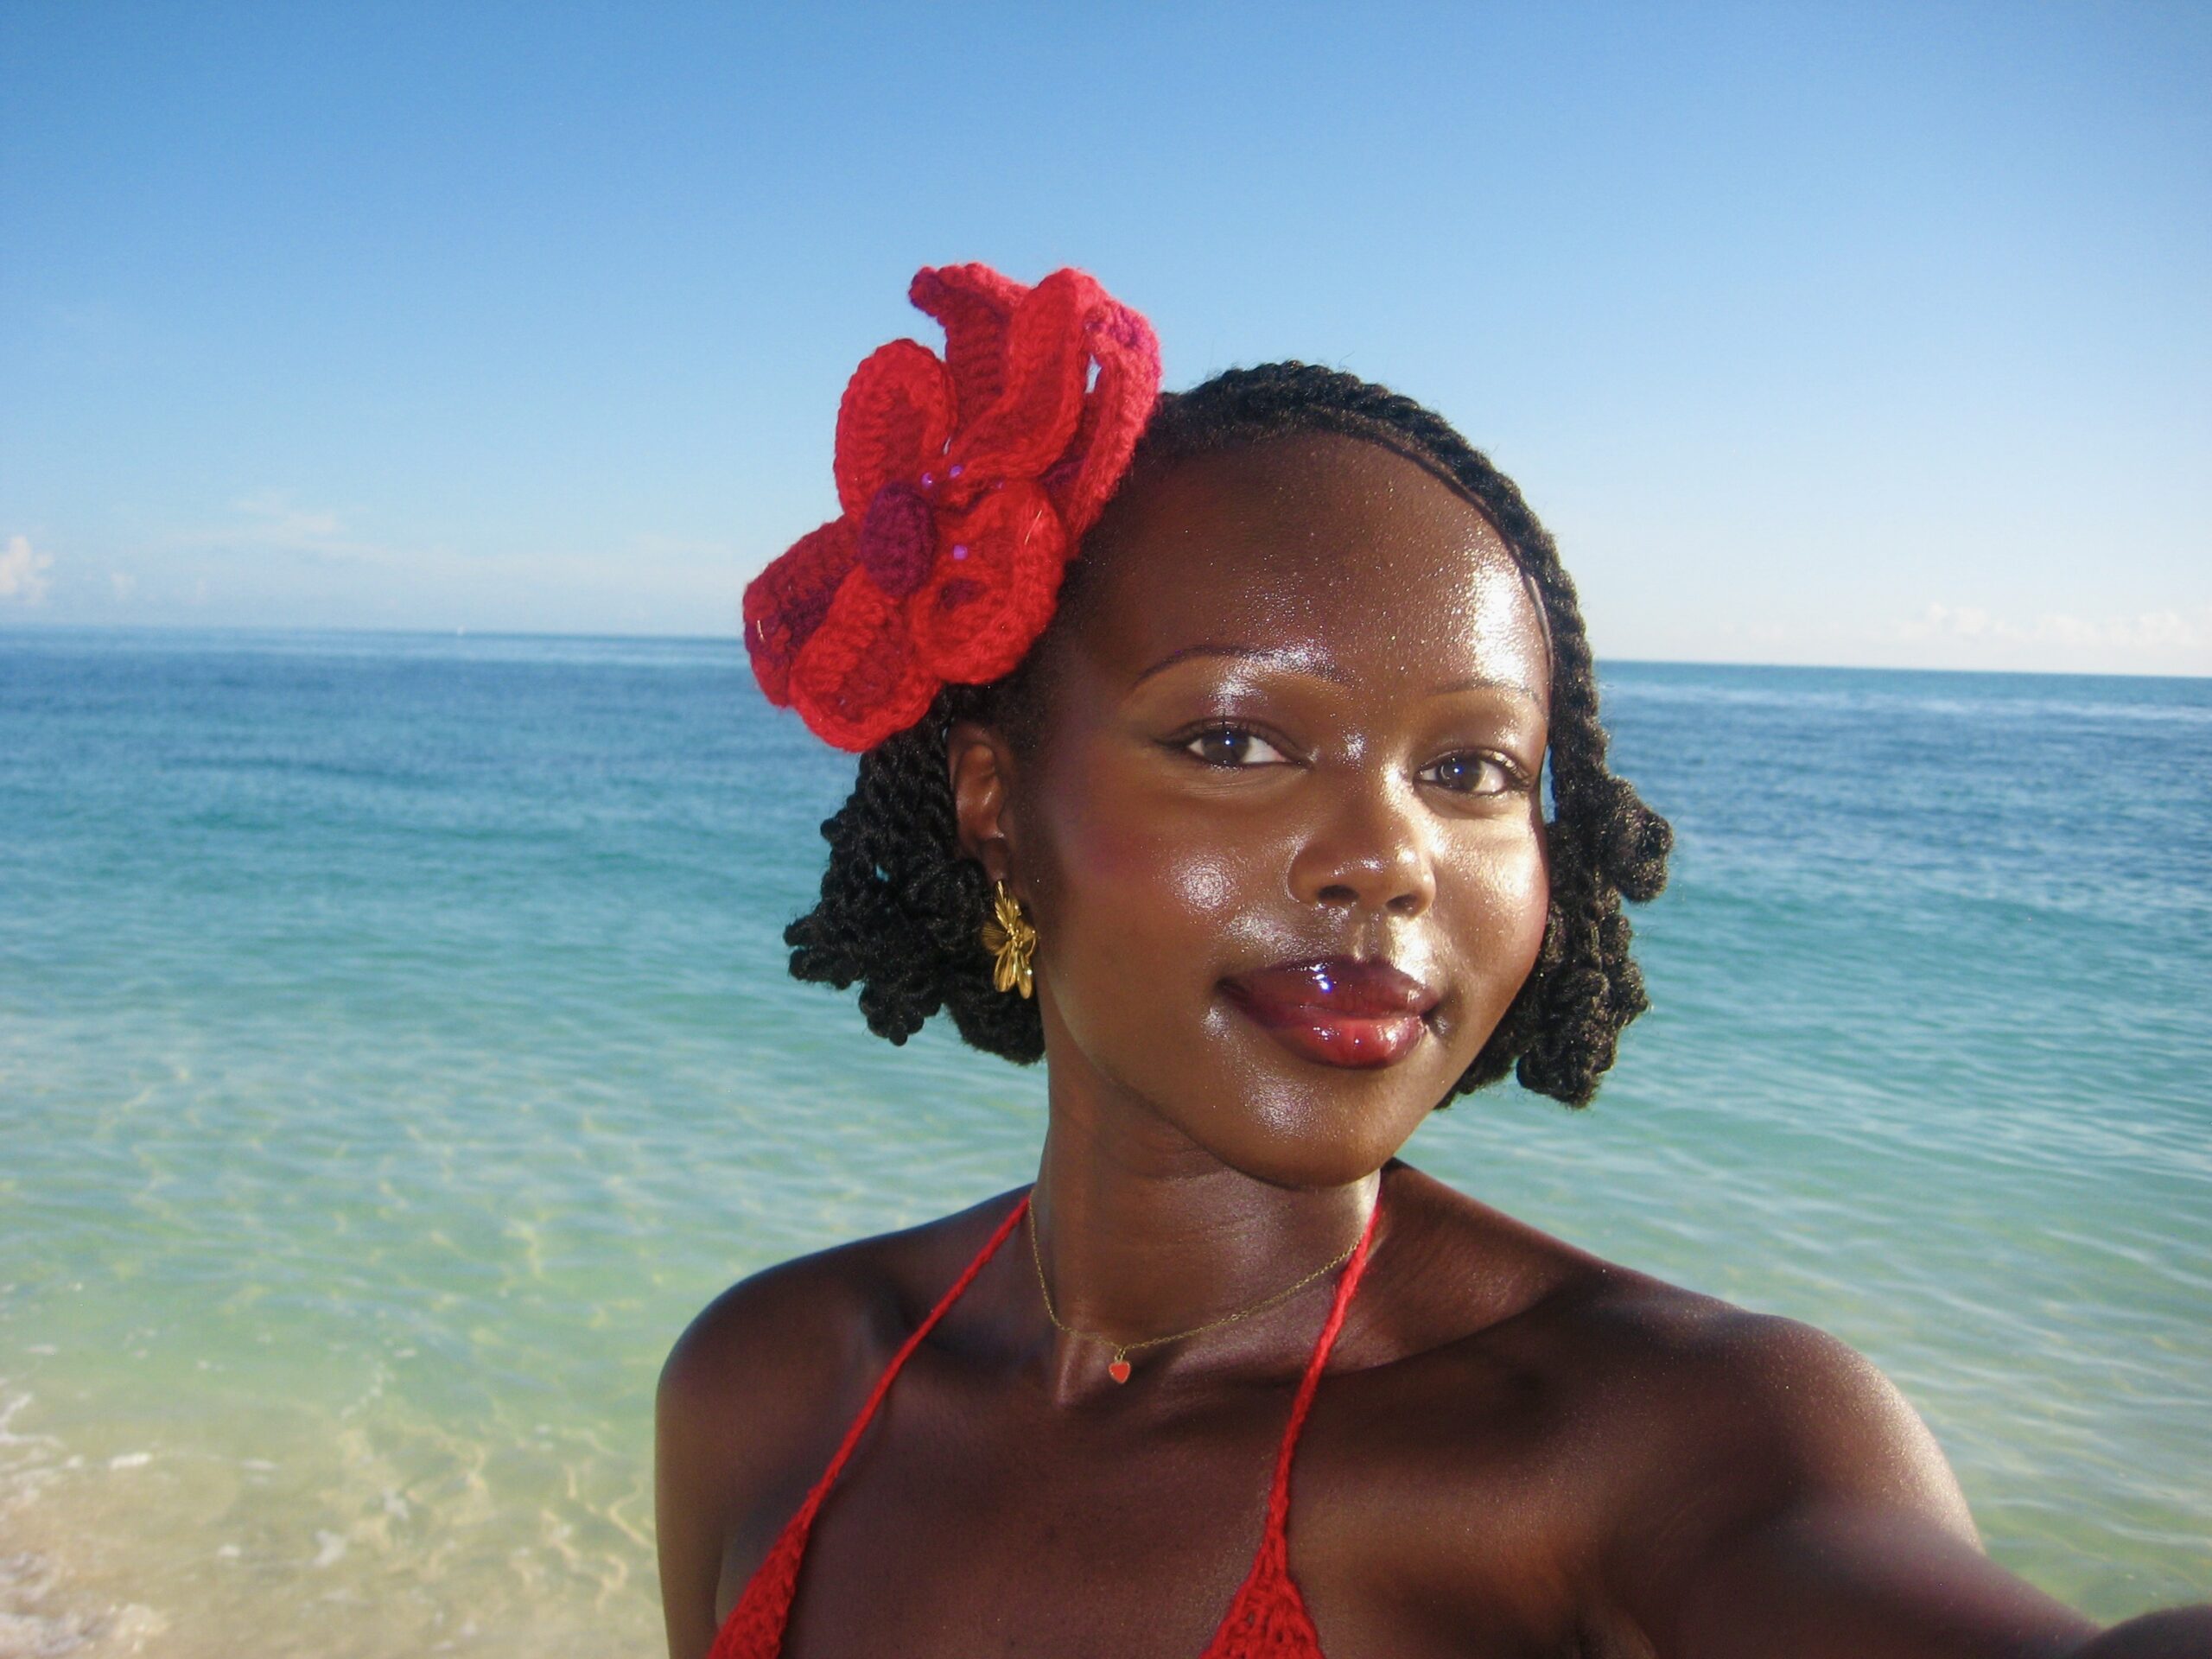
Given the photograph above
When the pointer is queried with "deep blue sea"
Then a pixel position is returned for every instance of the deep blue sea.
(396, 1051)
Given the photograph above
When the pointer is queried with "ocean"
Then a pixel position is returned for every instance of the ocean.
(395, 1051)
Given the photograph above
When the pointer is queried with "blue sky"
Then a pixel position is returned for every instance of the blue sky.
(1835, 334)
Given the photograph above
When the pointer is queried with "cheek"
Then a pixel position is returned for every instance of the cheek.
(1503, 891)
(1524, 895)
(1127, 888)
(1139, 903)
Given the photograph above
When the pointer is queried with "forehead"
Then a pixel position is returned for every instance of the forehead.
(1335, 554)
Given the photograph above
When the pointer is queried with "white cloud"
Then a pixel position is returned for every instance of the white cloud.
(271, 521)
(273, 517)
(22, 572)
(2162, 632)
(124, 584)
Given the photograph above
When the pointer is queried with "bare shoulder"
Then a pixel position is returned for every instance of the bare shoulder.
(759, 1389)
(1687, 1414)
(1756, 1412)
(776, 1351)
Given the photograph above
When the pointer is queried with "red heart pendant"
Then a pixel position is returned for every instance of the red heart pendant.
(1119, 1370)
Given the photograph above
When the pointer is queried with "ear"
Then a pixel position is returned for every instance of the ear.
(982, 768)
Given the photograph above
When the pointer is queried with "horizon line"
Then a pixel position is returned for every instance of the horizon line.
(735, 638)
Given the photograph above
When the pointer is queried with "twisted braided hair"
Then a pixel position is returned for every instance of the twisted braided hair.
(901, 906)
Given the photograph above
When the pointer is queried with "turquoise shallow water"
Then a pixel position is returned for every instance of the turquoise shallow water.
(395, 1050)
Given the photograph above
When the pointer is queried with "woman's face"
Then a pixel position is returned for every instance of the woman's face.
(1281, 833)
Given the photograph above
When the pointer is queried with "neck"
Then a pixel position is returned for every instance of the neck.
(1143, 1233)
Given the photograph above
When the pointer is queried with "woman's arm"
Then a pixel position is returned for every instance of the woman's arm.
(1823, 1523)
(1837, 1577)
(748, 1412)
(693, 1487)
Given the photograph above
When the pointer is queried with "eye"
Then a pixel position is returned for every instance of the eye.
(1233, 746)
(1472, 773)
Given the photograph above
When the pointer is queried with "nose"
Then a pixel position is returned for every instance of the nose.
(1369, 852)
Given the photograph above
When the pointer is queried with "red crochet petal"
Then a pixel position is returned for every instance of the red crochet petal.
(998, 570)
(858, 680)
(1047, 361)
(973, 303)
(786, 602)
(1113, 415)
(894, 420)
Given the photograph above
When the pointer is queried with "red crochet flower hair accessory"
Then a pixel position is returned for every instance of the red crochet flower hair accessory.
(965, 485)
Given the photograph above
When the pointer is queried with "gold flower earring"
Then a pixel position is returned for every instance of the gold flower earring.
(1008, 937)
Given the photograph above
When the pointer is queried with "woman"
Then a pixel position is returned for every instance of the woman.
(1236, 821)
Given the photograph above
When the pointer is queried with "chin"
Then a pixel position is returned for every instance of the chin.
(1325, 1137)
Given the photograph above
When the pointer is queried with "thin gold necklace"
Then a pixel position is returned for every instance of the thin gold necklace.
(1118, 1367)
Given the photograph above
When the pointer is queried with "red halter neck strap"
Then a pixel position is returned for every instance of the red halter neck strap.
(905, 1349)
(1279, 1493)
(1268, 1615)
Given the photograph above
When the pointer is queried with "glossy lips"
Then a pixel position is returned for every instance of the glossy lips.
(1337, 1011)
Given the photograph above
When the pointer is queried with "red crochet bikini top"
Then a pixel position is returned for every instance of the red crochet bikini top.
(1265, 1620)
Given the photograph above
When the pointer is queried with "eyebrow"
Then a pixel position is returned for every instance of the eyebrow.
(1297, 663)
